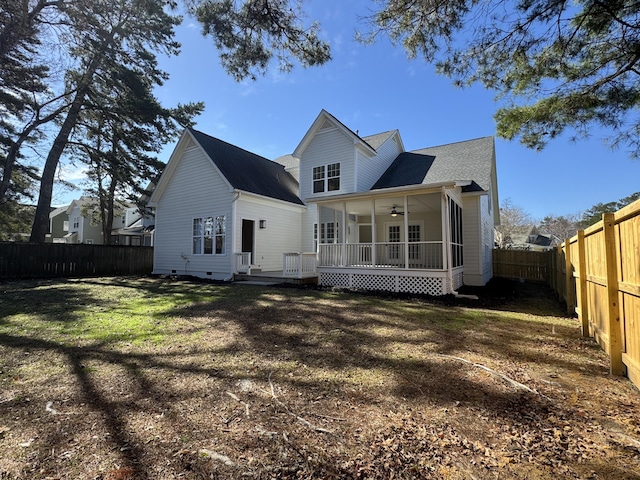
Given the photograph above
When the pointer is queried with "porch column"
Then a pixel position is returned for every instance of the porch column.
(446, 244)
(443, 217)
(373, 233)
(345, 234)
(406, 232)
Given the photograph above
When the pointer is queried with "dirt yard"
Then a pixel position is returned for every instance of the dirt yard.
(145, 378)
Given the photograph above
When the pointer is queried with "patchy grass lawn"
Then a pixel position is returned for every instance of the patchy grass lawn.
(122, 379)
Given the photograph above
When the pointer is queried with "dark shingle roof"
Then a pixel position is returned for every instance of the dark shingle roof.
(471, 160)
(249, 172)
(407, 169)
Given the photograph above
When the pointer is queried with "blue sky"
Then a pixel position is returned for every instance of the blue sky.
(375, 88)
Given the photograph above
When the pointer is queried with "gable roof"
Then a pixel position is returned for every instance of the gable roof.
(317, 125)
(376, 141)
(471, 160)
(247, 171)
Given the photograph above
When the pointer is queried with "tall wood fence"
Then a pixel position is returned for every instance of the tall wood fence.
(29, 260)
(601, 283)
(597, 274)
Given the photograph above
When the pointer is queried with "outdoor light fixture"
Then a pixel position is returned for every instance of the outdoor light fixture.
(263, 224)
(394, 213)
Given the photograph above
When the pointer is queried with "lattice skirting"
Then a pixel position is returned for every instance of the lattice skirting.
(457, 281)
(386, 283)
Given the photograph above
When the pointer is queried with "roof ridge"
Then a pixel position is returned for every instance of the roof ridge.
(354, 133)
(453, 143)
(381, 133)
(234, 146)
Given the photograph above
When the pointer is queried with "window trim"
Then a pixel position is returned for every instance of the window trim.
(207, 239)
(326, 178)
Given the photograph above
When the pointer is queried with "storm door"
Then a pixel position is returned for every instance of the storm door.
(248, 232)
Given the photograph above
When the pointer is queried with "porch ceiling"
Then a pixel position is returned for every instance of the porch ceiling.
(417, 204)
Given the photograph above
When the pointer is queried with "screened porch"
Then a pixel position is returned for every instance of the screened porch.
(386, 241)
(391, 232)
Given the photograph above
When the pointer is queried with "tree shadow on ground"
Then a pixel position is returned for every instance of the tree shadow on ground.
(312, 351)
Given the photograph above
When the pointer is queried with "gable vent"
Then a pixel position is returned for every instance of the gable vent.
(326, 125)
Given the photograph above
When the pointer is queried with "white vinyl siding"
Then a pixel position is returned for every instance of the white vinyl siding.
(487, 238)
(309, 219)
(196, 190)
(282, 232)
(370, 169)
(326, 148)
(472, 243)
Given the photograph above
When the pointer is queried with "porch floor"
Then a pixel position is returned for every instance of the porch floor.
(273, 278)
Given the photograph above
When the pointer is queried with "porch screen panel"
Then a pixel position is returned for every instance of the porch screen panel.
(455, 223)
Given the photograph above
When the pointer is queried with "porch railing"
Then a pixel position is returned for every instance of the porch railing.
(243, 263)
(299, 265)
(422, 255)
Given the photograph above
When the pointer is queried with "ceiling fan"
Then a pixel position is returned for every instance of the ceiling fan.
(394, 212)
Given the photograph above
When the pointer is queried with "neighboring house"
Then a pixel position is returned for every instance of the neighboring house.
(531, 239)
(372, 215)
(74, 224)
(58, 224)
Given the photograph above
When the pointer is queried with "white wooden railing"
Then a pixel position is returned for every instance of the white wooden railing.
(243, 263)
(422, 255)
(299, 265)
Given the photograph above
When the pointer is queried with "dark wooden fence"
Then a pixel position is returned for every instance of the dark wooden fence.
(30, 260)
(523, 265)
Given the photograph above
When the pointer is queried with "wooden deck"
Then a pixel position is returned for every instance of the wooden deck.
(274, 278)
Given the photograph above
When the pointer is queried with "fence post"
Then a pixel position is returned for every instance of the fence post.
(568, 274)
(615, 340)
(559, 272)
(583, 301)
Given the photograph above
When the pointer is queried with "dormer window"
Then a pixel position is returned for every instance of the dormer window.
(326, 178)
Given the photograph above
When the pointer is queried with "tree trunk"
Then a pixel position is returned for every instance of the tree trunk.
(41, 220)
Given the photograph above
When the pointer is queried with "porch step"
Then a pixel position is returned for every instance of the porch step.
(272, 279)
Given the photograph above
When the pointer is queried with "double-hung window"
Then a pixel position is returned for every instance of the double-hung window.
(333, 177)
(326, 178)
(209, 235)
(318, 179)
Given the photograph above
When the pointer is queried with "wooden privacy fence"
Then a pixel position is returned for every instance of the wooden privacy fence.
(30, 260)
(597, 273)
(523, 264)
(599, 278)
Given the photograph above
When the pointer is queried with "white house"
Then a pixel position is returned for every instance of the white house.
(75, 223)
(367, 213)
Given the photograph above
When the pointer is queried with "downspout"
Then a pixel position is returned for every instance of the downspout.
(234, 230)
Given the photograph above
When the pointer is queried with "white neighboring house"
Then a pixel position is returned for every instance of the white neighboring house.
(369, 214)
(130, 228)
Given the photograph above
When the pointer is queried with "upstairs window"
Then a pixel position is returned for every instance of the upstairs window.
(318, 179)
(333, 177)
(326, 178)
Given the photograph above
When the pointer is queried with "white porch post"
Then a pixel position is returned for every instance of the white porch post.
(373, 233)
(345, 236)
(444, 215)
(406, 232)
(446, 244)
